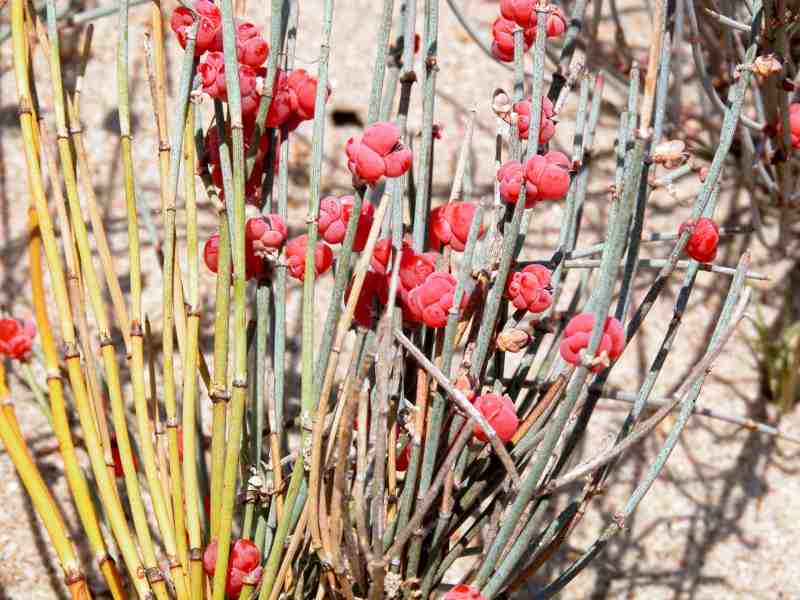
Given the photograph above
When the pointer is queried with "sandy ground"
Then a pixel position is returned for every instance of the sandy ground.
(721, 522)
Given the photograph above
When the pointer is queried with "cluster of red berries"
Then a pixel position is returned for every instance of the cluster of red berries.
(425, 294)
(500, 413)
(547, 128)
(579, 332)
(293, 94)
(16, 338)
(449, 225)
(529, 288)
(251, 51)
(244, 565)
(377, 153)
(522, 13)
(263, 236)
(334, 216)
(546, 177)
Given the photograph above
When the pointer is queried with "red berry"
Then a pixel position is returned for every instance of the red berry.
(547, 129)
(211, 253)
(549, 173)
(332, 226)
(522, 12)
(210, 25)
(501, 415)
(511, 175)
(284, 103)
(244, 565)
(463, 592)
(794, 123)
(255, 267)
(251, 48)
(467, 384)
(556, 23)
(212, 75)
(117, 458)
(266, 234)
(296, 257)
(433, 299)
(235, 582)
(304, 87)
(210, 558)
(378, 153)
(381, 256)
(415, 268)
(294, 99)
(248, 87)
(245, 555)
(503, 43)
(703, 240)
(16, 338)
(374, 290)
(403, 459)
(528, 289)
(450, 224)
(365, 219)
(578, 333)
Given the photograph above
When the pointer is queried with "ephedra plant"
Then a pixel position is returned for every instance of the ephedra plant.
(442, 401)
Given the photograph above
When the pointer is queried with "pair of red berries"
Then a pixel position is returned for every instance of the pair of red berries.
(546, 177)
(529, 288)
(450, 223)
(547, 127)
(16, 338)
(263, 236)
(425, 294)
(244, 565)
(579, 332)
(334, 216)
(500, 413)
(522, 13)
(377, 153)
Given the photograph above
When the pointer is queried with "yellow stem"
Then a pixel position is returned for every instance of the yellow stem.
(74, 474)
(57, 281)
(43, 502)
(190, 362)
